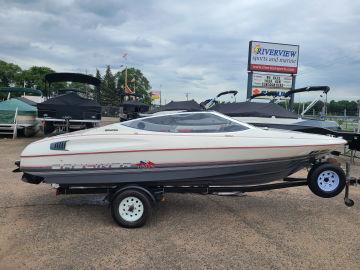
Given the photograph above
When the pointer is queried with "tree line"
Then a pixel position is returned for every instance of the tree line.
(335, 108)
(111, 88)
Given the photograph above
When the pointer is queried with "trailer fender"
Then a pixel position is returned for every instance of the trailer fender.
(147, 191)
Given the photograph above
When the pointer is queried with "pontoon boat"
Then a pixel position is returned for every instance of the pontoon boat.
(18, 113)
(67, 110)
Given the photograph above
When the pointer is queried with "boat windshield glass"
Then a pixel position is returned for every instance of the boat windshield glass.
(187, 123)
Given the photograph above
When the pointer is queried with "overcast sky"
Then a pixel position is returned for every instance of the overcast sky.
(198, 47)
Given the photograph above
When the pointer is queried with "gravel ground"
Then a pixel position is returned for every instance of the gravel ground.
(283, 229)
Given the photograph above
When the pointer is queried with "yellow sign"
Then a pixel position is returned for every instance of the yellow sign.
(155, 95)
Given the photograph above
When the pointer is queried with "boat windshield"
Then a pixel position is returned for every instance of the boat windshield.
(187, 123)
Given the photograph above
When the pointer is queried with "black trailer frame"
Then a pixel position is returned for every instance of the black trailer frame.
(116, 194)
(201, 189)
(126, 198)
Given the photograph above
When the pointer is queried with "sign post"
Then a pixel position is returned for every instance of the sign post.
(249, 85)
(291, 102)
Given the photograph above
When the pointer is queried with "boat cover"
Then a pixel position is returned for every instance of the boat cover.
(253, 109)
(8, 109)
(188, 105)
(27, 101)
(71, 106)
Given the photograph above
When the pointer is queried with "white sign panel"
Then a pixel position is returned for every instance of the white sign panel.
(265, 83)
(273, 57)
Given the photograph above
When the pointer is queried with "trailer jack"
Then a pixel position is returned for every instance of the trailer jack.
(349, 181)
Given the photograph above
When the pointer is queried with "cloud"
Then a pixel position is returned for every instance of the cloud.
(198, 47)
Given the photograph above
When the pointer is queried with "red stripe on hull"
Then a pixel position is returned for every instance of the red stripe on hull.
(180, 149)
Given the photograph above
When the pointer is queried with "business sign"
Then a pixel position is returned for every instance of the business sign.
(265, 83)
(273, 57)
(155, 94)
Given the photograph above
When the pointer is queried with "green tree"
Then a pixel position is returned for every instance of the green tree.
(97, 93)
(109, 94)
(88, 90)
(9, 74)
(333, 107)
(34, 78)
(136, 81)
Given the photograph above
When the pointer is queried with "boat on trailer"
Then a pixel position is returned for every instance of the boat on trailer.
(131, 109)
(18, 114)
(137, 160)
(272, 115)
(68, 111)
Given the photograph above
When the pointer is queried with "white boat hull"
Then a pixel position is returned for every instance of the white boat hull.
(118, 154)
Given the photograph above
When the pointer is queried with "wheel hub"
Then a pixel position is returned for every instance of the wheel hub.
(131, 209)
(328, 181)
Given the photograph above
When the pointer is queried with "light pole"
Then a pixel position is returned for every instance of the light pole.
(160, 94)
(187, 96)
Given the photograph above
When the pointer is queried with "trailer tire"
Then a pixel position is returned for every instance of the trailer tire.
(326, 180)
(30, 132)
(131, 208)
(89, 125)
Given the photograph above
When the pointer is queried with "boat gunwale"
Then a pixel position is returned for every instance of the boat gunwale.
(178, 149)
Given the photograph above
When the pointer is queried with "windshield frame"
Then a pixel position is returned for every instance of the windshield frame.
(246, 126)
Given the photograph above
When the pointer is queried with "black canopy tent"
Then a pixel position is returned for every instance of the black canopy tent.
(72, 77)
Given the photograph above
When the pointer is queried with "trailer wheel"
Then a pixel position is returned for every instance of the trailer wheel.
(131, 208)
(326, 180)
(89, 125)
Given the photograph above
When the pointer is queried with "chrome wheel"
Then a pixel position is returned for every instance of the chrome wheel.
(131, 209)
(328, 181)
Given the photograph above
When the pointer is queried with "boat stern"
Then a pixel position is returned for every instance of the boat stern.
(27, 177)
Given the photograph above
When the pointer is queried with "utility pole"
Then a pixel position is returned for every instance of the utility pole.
(161, 94)
(187, 96)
